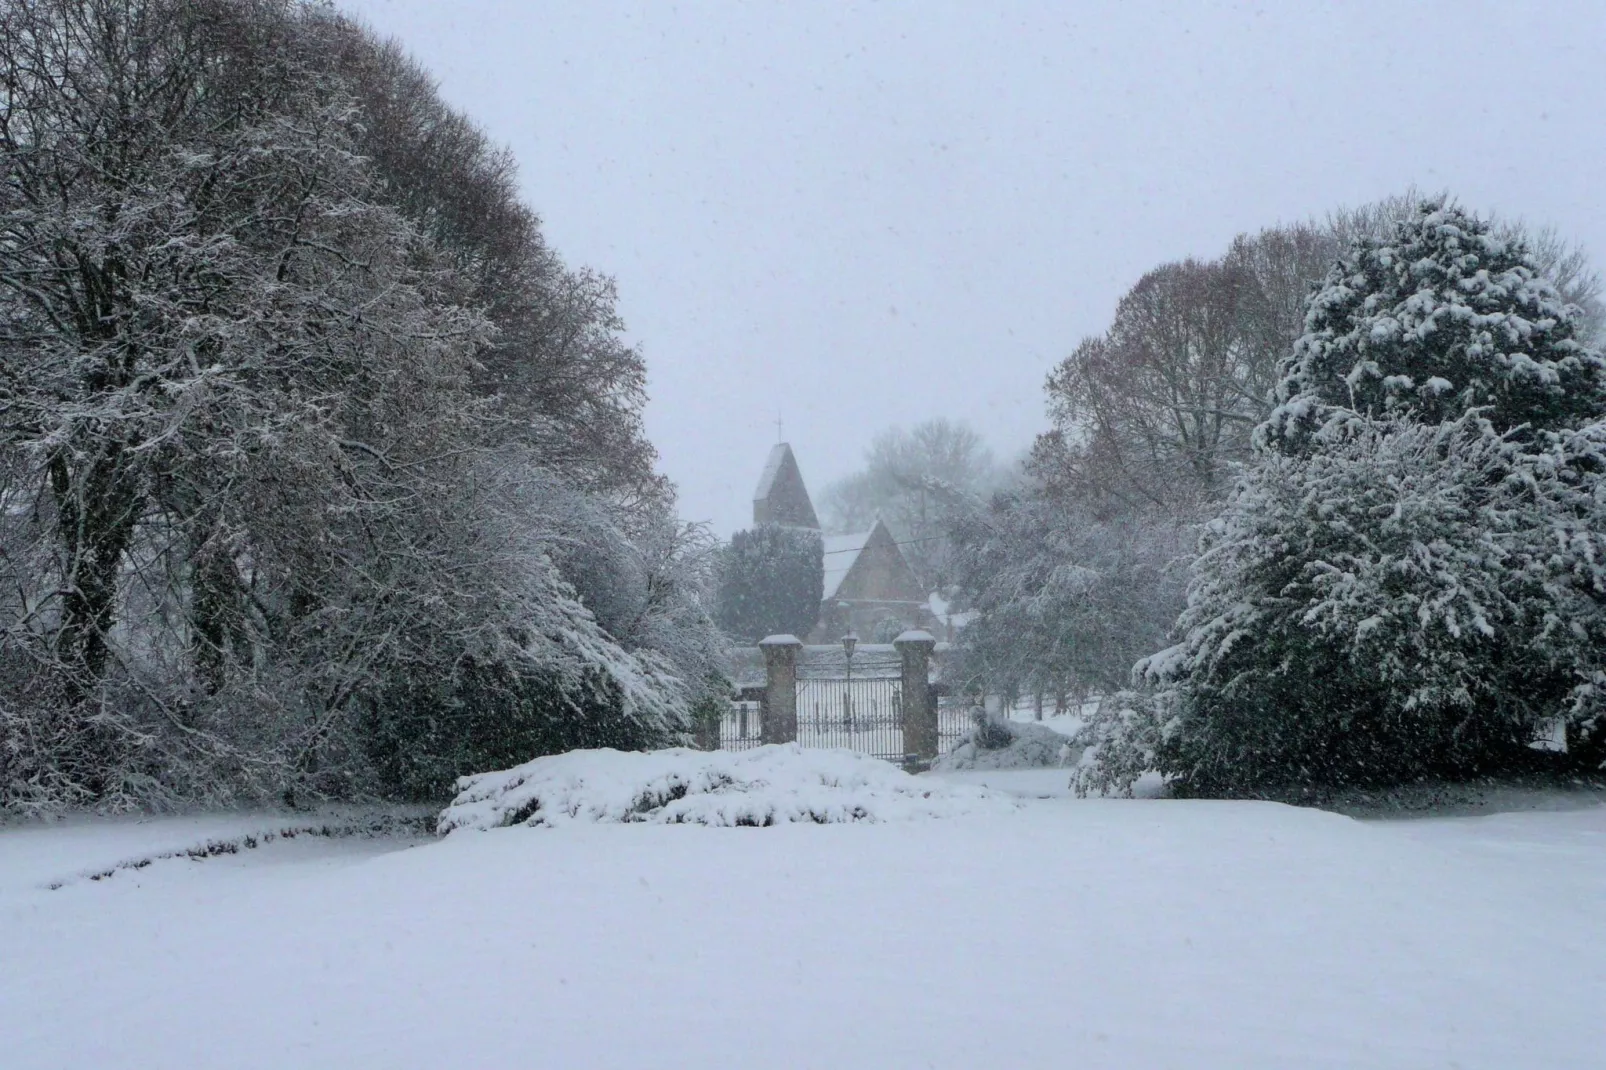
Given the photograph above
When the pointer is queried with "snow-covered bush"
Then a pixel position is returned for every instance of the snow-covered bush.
(1121, 742)
(996, 743)
(1408, 579)
(770, 785)
(1393, 604)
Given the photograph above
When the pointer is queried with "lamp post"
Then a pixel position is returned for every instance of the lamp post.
(849, 641)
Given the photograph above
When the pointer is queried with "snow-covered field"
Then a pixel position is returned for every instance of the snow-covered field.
(1062, 933)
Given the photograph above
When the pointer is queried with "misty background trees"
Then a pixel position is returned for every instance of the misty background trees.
(315, 456)
(920, 481)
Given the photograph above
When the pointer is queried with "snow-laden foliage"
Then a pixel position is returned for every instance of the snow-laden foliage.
(1158, 409)
(1003, 744)
(1440, 316)
(1409, 579)
(1122, 741)
(266, 527)
(770, 785)
(1406, 599)
(770, 582)
(1063, 601)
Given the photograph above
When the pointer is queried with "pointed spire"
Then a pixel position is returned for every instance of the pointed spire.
(781, 497)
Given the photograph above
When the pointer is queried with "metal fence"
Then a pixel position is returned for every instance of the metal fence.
(955, 719)
(864, 714)
(738, 729)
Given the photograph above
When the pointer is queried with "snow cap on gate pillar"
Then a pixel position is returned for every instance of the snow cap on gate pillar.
(782, 640)
(914, 635)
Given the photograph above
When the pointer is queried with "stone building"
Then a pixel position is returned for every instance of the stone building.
(870, 588)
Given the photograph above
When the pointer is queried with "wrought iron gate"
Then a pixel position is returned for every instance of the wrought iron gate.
(862, 713)
(848, 697)
(739, 728)
(828, 717)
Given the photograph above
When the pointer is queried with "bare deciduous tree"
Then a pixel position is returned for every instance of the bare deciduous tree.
(272, 518)
(917, 480)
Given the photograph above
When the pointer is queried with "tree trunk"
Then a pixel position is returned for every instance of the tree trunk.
(96, 504)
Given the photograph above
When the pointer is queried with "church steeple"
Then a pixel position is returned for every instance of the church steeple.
(781, 497)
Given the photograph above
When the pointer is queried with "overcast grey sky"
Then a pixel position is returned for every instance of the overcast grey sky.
(868, 214)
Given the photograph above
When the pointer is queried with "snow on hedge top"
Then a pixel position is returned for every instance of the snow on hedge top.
(1011, 745)
(769, 785)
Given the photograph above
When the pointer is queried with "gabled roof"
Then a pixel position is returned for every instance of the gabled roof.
(844, 554)
(841, 553)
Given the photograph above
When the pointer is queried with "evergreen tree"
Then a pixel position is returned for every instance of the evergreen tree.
(1439, 317)
(771, 581)
(1407, 579)
(1390, 606)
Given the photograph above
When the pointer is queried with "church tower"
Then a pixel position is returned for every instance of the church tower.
(781, 497)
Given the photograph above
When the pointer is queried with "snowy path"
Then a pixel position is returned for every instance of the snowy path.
(1072, 933)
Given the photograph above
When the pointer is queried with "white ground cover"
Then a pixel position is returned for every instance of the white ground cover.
(771, 785)
(1065, 933)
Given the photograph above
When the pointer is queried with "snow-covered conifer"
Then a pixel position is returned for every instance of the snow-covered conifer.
(1407, 579)
(1407, 598)
(1439, 316)
(771, 580)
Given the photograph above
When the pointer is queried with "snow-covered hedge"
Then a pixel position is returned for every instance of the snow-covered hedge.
(1009, 745)
(770, 785)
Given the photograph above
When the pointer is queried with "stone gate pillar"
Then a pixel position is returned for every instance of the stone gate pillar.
(777, 720)
(919, 707)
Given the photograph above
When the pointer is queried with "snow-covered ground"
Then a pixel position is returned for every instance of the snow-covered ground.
(1064, 932)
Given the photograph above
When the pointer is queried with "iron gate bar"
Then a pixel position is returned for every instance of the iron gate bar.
(864, 714)
(875, 728)
(739, 727)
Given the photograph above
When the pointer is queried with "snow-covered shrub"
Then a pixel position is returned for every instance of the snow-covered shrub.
(770, 785)
(996, 743)
(991, 731)
(1122, 743)
(1410, 599)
